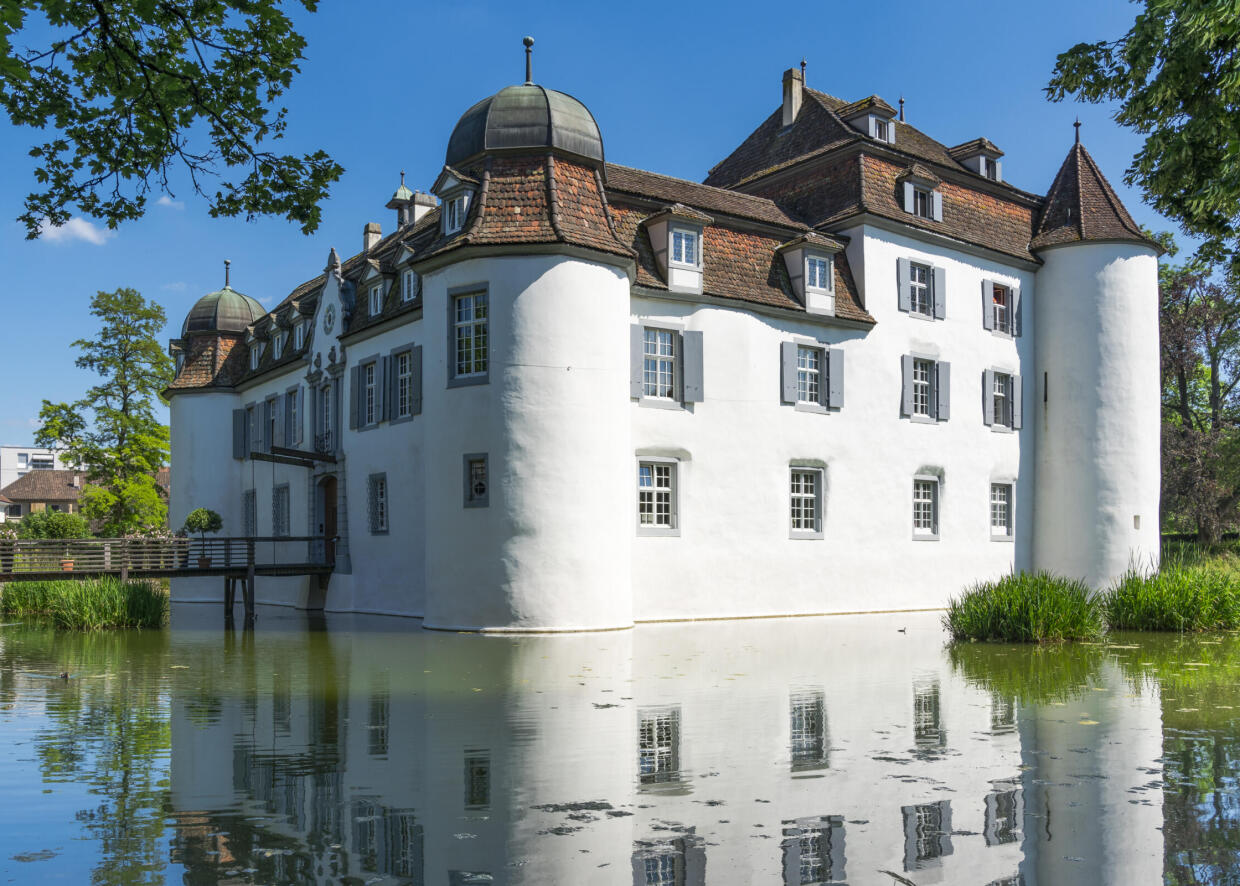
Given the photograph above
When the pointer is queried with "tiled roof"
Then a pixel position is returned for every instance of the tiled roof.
(666, 189)
(869, 103)
(975, 146)
(1081, 205)
(40, 486)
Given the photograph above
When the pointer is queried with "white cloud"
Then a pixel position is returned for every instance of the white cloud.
(168, 202)
(75, 229)
(178, 286)
(267, 302)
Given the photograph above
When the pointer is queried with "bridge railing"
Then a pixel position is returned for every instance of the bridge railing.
(126, 555)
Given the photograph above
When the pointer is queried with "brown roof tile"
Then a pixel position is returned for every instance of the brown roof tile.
(39, 486)
(1081, 205)
(638, 182)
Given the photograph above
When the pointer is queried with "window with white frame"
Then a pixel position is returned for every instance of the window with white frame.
(921, 289)
(925, 507)
(249, 512)
(805, 497)
(408, 285)
(1001, 510)
(255, 353)
(685, 247)
(818, 272)
(808, 729)
(923, 387)
(299, 336)
(470, 334)
(292, 420)
(1001, 309)
(928, 833)
(656, 496)
(810, 374)
(1002, 396)
(882, 129)
(279, 511)
(454, 213)
(277, 345)
(370, 394)
(659, 363)
(658, 744)
(923, 203)
(377, 503)
(404, 384)
(376, 300)
(477, 480)
(325, 409)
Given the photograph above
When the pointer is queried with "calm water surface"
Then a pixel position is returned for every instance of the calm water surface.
(835, 750)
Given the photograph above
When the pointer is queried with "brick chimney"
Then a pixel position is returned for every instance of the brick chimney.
(371, 234)
(794, 82)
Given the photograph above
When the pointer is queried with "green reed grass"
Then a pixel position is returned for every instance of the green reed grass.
(1025, 608)
(88, 605)
(1184, 595)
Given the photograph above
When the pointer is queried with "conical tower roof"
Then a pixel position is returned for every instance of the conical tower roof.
(1082, 206)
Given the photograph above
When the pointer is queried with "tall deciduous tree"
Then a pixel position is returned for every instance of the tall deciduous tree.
(132, 90)
(113, 431)
(1176, 75)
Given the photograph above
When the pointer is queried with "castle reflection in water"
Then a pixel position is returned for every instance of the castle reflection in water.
(836, 750)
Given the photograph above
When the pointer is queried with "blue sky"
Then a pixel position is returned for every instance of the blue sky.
(674, 87)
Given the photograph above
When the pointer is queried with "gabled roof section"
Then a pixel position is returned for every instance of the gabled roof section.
(37, 486)
(972, 148)
(666, 189)
(870, 105)
(1082, 206)
(920, 173)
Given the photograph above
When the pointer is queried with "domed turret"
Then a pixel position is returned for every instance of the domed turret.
(526, 116)
(225, 310)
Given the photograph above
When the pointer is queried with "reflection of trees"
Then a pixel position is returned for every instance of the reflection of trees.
(1030, 674)
(109, 730)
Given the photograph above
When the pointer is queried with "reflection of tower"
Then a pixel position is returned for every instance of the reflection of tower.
(1097, 358)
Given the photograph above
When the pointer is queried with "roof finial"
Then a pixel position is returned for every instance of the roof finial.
(1077, 124)
(802, 70)
(529, 64)
(402, 178)
(226, 264)
(901, 109)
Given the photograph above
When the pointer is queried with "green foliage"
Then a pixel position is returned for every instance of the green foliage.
(113, 429)
(88, 605)
(53, 524)
(1179, 597)
(131, 91)
(1025, 608)
(202, 521)
(1174, 75)
(1030, 674)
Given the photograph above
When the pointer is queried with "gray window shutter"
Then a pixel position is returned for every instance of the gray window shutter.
(1017, 324)
(277, 408)
(906, 375)
(355, 397)
(385, 371)
(416, 408)
(788, 371)
(936, 200)
(988, 300)
(239, 433)
(988, 396)
(635, 361)
(1017, 403)
(835, 378)
(691, 349)
(940, 293)
(943, 391)
(903, 275)
(908, 197)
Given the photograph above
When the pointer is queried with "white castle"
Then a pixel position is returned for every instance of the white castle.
(855, 370)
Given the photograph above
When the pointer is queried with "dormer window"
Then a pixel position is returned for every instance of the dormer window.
(454, 210)
(277, 345)
(981, 156)
(921, 193)
(685, 247)
(255, 353)
(818, 273)
(408, 286)
(882, 129)
(676, 240)
(299, 335)
(810, 260)
(376, 300)
(923, 206)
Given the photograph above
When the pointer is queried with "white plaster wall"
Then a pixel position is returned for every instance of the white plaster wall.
(1098, 432)
(734, 556)
(552, 548)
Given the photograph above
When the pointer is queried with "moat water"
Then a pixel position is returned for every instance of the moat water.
(859, 750)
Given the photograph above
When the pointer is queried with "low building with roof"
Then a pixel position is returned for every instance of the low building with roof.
(43, 490)
(855, 369)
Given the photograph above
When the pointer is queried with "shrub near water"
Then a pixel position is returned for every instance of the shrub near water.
(88, 605)
(1025, 608)
(1179, 597)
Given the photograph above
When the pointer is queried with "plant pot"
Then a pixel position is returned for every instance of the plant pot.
(204, 562)
(66, 565)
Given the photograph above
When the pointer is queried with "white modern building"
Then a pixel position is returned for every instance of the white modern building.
(17, 461)
(854, 370)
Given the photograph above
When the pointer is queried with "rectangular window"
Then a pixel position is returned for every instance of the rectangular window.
(808, 730)
(658, 741)
(292, 421)
(685, 247)
(21, 459)
(1001, 309)
(922, 204)
(404, 384)
(299, 336)
(1001, 510)
(249, 512)
(806, 502)
(814, 850)
(927, 710)
(656, 496)
(376, 300)
(1002, 816)
(809, 374)
(659, 363)
(927, 833)
(454, 214)
(477, 481)
(377, 503)
(279, 511)
(1002, 714)
(923, 387)
(325, 410)
(477, 779)
(408, 286)
(881, 129)
(1002, 392)
(817, 273)
(470, 334)
(925, 508)
(254, 354)
(921, 289)
(370, 393)
(277, 345)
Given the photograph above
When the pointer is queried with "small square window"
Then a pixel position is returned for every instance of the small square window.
(656, 498)
(1001, 511)
(685, 247)
(477, 480)
(818, 273)
(377, 503)
(925, 508)
(805, 495)
(376, 300)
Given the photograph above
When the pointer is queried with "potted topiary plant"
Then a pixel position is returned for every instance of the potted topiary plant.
(202, 521)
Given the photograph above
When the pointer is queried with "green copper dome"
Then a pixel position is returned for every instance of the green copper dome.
(225, 310)
(527, 116)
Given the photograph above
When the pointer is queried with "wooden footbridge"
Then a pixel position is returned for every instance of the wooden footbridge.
(237, 560)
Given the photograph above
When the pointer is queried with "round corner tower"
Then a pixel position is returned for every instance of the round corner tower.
(1098, 476)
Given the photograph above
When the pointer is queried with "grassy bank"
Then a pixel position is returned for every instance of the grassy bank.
(1025, 608)
(1181, 596)
(88, 605)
